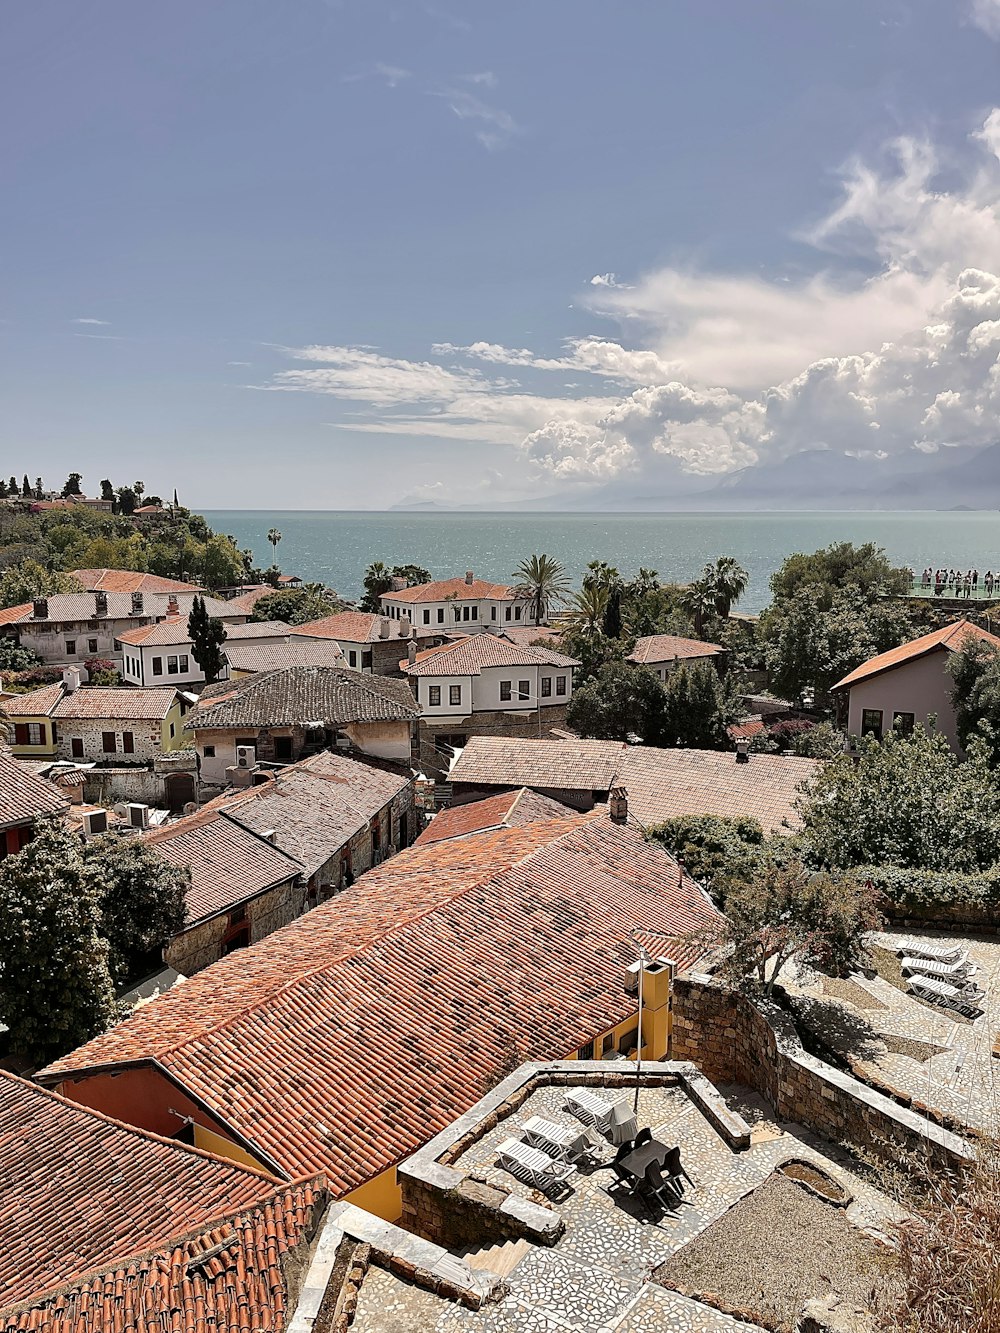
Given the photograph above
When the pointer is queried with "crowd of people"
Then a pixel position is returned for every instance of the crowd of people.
(958, 583)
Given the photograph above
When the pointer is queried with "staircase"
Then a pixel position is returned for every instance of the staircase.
(500, 1259)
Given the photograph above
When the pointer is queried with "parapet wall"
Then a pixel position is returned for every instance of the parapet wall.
(735, 1039)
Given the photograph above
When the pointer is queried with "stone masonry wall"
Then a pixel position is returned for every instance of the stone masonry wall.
(732, 1039)
(203, 943)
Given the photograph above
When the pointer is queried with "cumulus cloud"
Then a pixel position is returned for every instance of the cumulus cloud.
(985, 14)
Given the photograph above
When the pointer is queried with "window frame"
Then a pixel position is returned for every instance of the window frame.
(868, 726)
(157, 666)
(105, 737)
(433, 696)
(546, 688)
(561, 686)
(454, 696)
(505, 688)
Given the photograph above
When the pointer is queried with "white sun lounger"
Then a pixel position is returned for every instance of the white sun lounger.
(949, 997)
(563, 1142)
(933, 967)
(942, 953)
(532, 1165)
(589, 1109)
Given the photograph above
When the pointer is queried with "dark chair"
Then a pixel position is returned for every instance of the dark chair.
(674, 1170)
(644, 1136)
(668, 1190)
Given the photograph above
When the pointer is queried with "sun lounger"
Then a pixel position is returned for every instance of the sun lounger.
(933, 967)
(563, 1142)
(589, 1109)
(944, 994)
(532, 1165)
(942, 953)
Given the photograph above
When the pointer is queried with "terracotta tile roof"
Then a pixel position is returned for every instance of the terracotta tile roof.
(128, 580)
(745, 730)
(332, 695)
(82, 1190)
(357, 627)
(229, 863)
(174, 631)
(343, 1041)
(510, 762)
(76, 606)
(469, 656)
(526, 635)
(277, 656)
(11, 615)
(457, 589)
(951, 638)
(109, 701)
(245, 603)
(508, 809)
(24, 796)
(664, 783)
(671, 648)
(35, 703)
(314, 806)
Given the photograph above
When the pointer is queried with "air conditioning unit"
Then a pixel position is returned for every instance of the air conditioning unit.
(246, 756)
(138, 815)
(343, 742)
(95, 821)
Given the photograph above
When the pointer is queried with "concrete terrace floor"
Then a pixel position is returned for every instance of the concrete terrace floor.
(596, 1279)
(961, 1081)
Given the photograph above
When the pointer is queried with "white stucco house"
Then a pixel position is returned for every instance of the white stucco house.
(662, 652)
(467, 603)
(485, 673)
(908, 684)
(161, 654)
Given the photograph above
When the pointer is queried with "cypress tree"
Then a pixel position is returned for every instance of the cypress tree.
(207, 634)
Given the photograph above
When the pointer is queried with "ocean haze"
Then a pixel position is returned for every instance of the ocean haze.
(335, 548)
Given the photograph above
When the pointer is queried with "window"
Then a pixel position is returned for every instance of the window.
(475, 613)
(506, 613)
(91, 645)
(458, 613)
(172, 730)
(29, 733)
(455, 695)
(172, 664)
(517, 613)
(434, 696)
(493, 613)
(427, 615)
(504, 691)
(560, 684)
(376, 830)
(352, 657)
(871, 722)
(546, 687)
(108, 744)
(903, 723)
(209, 752)
(157, 666)
(366, 660)
(185, 667)
(283, 748)
(440, 615)
(524, 689)
(128, 742)
(71, 647)
(76, 747)
(608, 1043)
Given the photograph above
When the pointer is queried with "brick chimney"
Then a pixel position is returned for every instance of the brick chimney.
(173, 608)
(137, 603)
(40, 608)
(618, 805)
(101, 603)
(411, 651)
(469, 577)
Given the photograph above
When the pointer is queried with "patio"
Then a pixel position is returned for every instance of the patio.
(599, 1275)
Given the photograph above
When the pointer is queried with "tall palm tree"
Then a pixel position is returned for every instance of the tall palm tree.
(588, 609)
(544, 581)
(729, 582)
(698, 600)
(274, 536)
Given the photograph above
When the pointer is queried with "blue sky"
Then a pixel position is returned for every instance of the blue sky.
(320, 254)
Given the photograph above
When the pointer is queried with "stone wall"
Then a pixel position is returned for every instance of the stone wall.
(962, 917)
(146, 739)
(204, 942)
(106, 786)
(732, 1039)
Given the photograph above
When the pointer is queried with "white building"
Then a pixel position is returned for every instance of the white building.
(161, 654)
(471, 604)
(662, 652)
(370, 643)
(487, 674)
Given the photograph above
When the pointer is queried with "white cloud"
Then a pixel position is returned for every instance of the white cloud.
(603, 280)
(500, 125)
(484, 79)
(985, 14)
(393, 74)
(91, 321)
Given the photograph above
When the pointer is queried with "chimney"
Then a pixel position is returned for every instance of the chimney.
(137, 603)
(40, 608)
(404, 627)
(743, 751)
(384, 627)
(71, 679)
(468, 577)
(270, 835)
(618, 805)
(173, 608)
(411, 651)
(101, 603)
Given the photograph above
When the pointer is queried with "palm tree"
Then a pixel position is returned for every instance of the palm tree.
(588, 609)
(274, 536)
(698, 600)
(544, 581)
(729, 582)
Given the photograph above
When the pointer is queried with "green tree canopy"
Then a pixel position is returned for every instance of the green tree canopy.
(544, 580)
(841, 565)
(72, 486)
(295, 606)
(27, 580)
(696, 708)
(711, 845)
(141, 898)
(621, 702)
(207, 634)
(975, 694)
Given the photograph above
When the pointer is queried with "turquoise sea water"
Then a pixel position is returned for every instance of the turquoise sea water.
(335, 548)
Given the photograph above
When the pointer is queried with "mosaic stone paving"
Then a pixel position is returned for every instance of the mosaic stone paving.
(597, 1278)
(963, 1080)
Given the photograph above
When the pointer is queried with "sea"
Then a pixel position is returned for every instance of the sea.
(335, 548)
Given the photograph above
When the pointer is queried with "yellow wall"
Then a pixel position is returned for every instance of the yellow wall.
(47, 750)
(175, 742)
(215, 1143)
(381, 1196)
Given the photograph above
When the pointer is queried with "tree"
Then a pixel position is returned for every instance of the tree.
(27, 580)
(55, 987)
(695, 709)
(613, 612)
(107, 490)
(728, 581)
(787, 911)
(127, 500)
(39, 489)
(222, 563)
(377, 582)
(141, 898)
(296, 606)
(841, 565)
(102, 671)
(207, 634)
(26, 488)
(543, 580)
(139, 489)
(588, 608)
(274, 536)
(698, 600)
(975, 694)
(15, 658)
(12, 487)
(906, 801)
(3, 489)
(711, 845)
(622, 702)
(72, 486)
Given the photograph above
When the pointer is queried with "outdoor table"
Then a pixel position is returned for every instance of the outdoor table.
(557, 1140)
(636, 1161)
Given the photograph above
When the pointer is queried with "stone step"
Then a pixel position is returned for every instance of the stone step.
(500, 1259)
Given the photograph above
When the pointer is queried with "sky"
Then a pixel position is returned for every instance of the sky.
(331, 254)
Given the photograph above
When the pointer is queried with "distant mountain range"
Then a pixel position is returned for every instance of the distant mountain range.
(816, 479)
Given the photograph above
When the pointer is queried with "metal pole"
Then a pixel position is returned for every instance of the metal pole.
(638, 1044)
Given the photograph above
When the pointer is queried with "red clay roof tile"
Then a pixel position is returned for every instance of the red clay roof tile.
(951, 638)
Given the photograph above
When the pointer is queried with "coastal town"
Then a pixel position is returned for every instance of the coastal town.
(487, 954)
